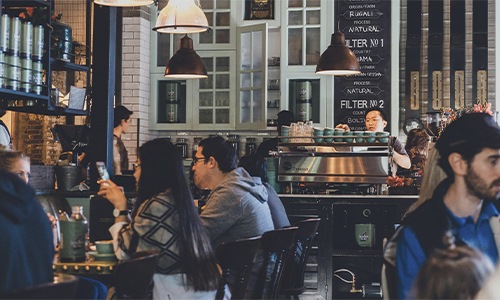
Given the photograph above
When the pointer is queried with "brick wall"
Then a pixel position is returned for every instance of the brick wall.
(135, 76)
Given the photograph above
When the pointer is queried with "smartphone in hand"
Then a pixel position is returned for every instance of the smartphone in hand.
(103, 172)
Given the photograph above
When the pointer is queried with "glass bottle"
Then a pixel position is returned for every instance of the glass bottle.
(74, 232)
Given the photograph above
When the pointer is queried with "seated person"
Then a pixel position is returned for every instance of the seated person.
(458, 272)
(285, 117)
(237, 206)
(17, 163)
(257, 169)
(27, 245)
(376, 120)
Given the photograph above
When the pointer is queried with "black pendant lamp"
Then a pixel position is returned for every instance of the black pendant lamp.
(338, 59)
(186, 63)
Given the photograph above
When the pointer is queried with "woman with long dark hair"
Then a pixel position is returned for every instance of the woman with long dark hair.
(164, 218)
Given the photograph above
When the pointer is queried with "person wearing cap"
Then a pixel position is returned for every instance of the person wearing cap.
(376, 120)
(285, 118)
(121, 124)
(461, 205)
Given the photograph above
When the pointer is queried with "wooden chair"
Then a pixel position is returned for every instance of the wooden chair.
(295, 267)
(63, 287)
(270, 260)
(236, 260)
(133, 277)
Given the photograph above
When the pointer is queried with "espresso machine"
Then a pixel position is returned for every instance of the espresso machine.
(337, 169)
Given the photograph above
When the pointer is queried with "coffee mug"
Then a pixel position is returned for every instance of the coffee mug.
(364, 235)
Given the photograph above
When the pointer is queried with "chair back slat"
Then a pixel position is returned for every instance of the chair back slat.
(236, 260)
(275, 246)
(293, 278)
(133, 277)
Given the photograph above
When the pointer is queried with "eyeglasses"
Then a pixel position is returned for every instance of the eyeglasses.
(136, 166)
(196, 159)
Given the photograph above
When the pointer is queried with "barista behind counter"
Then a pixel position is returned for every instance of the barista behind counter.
(376, 120)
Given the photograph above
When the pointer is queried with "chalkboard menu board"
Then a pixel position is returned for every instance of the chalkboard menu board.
(366, 25)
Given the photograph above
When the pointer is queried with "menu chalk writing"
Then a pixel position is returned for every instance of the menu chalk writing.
(366, 25)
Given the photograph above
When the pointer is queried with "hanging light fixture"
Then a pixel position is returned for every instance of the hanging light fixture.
(338, 59)
(123, 3)
(181, 16)
(186, 63)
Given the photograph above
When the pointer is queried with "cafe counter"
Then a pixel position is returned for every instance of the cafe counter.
(338, 245)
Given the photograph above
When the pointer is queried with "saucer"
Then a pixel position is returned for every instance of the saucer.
(103, 257)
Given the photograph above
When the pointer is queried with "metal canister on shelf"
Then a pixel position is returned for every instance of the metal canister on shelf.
(182, 146)
(64, 48)
(15, 36)
(250, 146)
(13, 80)
(5, 33)
(26, 39)
(234, 140)
(38, 40)
(196, 141)
(26, 74)
(172, 104)
(37, 78)
(2, 69)
(304, 105)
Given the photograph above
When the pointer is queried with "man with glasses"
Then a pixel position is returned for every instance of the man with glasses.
(237, 206)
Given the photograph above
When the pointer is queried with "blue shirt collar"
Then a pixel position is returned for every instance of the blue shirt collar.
(487, 211)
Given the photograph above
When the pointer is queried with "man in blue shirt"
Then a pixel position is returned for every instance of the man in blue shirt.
(461, 209)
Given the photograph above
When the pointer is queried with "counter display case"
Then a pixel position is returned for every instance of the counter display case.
(339, 245)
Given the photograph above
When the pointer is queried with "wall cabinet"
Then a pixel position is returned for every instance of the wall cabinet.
(37, 74)
(256, 67)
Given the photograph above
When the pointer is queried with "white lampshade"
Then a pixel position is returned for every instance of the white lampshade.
(181, 16)
(123, 3)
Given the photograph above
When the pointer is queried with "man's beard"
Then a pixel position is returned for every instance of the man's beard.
(479, 188)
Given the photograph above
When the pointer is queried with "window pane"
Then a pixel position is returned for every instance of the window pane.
(223, 19)
(207, 83)
(206, 99)
(163, 50)
(206, 37)
(295, 18)
(223, 4)
(222, 99)
(312, 46)
(222, 36)
(209, 63)
(257, 107)
(222, 64)
(222, 116)
(313, 17)
(295, 46)
(314, 3)
(257, 79)
(294, 3)
(246, 55)
(245, 80)
(257, 49)
(206, 116)
(222, 81)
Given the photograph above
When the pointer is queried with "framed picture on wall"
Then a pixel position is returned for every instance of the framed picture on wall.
(259, 9)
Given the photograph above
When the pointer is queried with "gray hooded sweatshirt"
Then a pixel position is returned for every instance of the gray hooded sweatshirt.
(237, 208)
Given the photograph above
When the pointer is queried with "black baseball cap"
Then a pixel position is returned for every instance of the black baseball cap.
(470, 130)
(285, 117)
